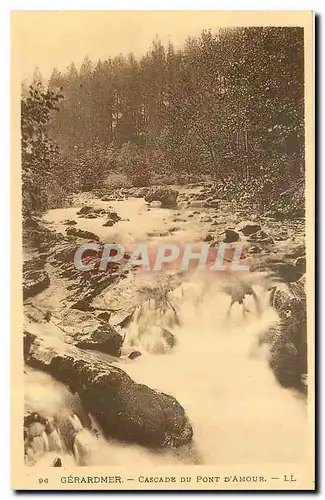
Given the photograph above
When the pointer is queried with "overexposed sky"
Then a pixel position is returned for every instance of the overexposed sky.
(49, 39)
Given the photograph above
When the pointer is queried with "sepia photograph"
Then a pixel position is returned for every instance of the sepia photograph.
(163, 250)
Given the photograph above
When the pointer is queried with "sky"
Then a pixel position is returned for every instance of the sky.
(49, 39)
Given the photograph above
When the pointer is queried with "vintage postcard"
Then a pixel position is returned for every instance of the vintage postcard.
(162, 250)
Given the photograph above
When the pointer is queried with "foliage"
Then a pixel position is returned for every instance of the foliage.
(132, 161)
(229, 104)
(116, 181)
(36, 147)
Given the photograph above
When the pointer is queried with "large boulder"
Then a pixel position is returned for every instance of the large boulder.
(86, 331)
(288, 352)
(288, 272)
(125, 410)
(167, 196)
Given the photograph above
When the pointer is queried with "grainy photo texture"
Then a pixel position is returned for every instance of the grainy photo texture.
(163, 215)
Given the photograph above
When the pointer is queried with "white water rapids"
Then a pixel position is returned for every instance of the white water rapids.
(217, 371)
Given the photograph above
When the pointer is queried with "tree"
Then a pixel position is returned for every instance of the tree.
(230, 104)
(36, 148)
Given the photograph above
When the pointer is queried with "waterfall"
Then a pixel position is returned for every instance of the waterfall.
(219, 372)
(196, 337)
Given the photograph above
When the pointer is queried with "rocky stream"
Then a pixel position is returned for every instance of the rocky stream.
(170, 367)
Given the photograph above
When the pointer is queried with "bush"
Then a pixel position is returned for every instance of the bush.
(133, 162)
(117, 180)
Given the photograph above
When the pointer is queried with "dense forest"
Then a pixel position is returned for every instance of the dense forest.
(227, 105)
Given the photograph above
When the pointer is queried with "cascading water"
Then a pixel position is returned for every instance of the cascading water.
(206, 354)
(219, 373)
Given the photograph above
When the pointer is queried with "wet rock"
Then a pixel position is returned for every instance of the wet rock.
(31, 222)
(80, 233)
(85, 210)
(112, 218)
(36, 264)
(167, 196)
(287, 272)
(288, 352)
(86, 287)
(300, 264)
(231, 236)
(87, 331)
(248, 227)
(125, 410)
(155, 204)
(37, 236)
(70, 222)
(62, 253)
(105, 315)
(287, 300)
(134, 354)
(208, 238)
(108, 223)
(82, 286)
(35, 278)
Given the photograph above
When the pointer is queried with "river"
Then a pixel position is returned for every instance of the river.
(217, 370)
